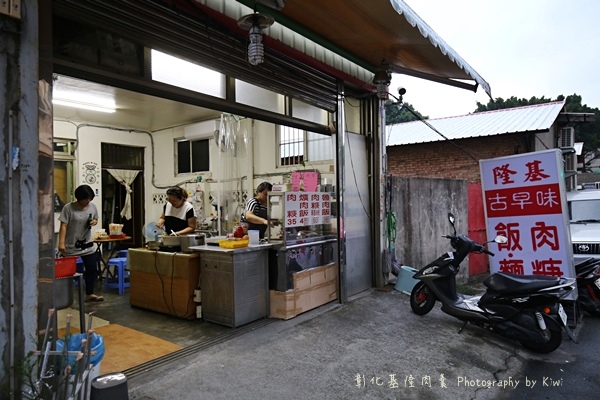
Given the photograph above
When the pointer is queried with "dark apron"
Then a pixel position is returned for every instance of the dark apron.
(261, 212)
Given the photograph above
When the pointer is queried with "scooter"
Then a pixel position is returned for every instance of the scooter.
(525, 308)
(588, 285)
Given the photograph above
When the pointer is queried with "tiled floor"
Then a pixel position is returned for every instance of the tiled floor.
(126, 348)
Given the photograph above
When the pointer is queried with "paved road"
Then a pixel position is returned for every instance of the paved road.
(375, 348)
(571, 372)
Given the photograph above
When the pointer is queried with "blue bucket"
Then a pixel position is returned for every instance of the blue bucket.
(97, 347)
(405, 281)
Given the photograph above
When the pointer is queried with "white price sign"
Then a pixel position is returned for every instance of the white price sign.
(307, 208)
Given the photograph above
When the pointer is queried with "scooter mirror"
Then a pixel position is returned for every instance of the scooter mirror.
(451, 218)
(500, 239)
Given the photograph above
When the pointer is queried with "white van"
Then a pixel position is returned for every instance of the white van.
(584, 217)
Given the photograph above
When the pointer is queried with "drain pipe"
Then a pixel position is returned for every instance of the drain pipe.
(14, 155)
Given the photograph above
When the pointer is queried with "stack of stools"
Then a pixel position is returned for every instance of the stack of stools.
(119, 275)
(79, 268)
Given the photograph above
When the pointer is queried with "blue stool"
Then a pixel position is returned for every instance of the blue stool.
(119, 274)
(121, 253)
(79, 268)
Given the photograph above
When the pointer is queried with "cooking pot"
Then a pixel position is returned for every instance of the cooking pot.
(168, 240)
(197, 239)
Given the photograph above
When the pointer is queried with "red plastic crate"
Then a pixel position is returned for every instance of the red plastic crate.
(65, 266)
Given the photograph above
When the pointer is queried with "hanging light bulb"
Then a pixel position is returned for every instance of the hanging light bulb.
(256, 50)
(381, 80)
(255, 23)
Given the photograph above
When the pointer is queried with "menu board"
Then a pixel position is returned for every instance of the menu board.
(524, 200)
(307, 208)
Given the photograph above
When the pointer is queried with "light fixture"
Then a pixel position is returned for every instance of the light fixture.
(255, 23)
(381, 80)
(85, 106)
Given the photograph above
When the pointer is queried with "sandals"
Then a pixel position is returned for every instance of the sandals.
(93, 297)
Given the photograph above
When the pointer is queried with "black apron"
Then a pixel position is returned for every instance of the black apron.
(261, 211)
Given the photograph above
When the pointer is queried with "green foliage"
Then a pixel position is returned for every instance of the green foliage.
(588, 132)
(396, 113)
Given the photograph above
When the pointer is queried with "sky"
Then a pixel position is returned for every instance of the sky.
(522, 48)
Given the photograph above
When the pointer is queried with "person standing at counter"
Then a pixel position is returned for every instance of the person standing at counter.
(178, 214)
(255, 212)
(75, 235)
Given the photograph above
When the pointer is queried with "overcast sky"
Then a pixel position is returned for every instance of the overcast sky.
(522, 48)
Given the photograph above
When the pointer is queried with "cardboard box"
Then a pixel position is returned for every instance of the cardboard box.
(314, 276)
(5, 7)
(15, 8)
(313, 288)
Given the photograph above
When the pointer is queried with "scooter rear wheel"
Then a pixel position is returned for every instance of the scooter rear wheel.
(422, 299)
(552, 344)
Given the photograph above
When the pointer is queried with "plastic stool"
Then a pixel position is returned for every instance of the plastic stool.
(109, 387)
(79, 268)
(121, 253)
(120, 273)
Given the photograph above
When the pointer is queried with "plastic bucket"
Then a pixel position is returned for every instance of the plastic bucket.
(405, 281)
(74, 344)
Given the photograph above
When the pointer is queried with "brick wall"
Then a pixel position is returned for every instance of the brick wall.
(444, 160)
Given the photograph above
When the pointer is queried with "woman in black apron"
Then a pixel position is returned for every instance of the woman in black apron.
(255, 212)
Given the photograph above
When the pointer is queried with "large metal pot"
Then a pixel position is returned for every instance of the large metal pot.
(197, 239)
(168, 240)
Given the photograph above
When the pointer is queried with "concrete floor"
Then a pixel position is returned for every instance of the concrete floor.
(116, 309)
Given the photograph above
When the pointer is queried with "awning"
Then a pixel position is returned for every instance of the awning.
(367, 32)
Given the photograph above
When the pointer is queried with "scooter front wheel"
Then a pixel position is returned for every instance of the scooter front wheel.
(422, 299)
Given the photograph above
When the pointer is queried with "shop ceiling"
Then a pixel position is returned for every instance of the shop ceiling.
(364, 32)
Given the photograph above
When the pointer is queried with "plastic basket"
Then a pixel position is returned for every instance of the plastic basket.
(233, 244)
(65, 266)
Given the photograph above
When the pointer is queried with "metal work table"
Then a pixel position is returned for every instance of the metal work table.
(235, 283)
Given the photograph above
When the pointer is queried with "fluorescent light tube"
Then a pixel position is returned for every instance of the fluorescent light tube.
(85, 106)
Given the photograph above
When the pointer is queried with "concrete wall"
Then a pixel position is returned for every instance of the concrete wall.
(422, 206)
(23, 239)
(444, 160)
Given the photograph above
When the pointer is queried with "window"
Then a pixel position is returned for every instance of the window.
(193, 156)
(184, 74)
(297, 146)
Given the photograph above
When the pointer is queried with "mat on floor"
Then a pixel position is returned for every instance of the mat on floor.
(62, 319)
(126, 348)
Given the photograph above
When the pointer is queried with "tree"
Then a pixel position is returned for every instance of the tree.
(588, 133)
(397, 113)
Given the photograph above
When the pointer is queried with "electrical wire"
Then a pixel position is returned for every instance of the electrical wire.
(354, 176)
(434, 129)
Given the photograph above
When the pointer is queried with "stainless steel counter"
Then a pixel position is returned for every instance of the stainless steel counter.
(218, 249)
(235, 283)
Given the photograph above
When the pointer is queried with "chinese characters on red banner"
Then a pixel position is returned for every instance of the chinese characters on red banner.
(523, 201)
(307, 208)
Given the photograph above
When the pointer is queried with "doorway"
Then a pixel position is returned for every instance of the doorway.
(114, 193)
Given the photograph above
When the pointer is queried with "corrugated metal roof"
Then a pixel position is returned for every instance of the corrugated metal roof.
(355, 35)
(539, 117)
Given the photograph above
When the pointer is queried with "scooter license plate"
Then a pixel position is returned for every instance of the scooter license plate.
(597, 283)
(562, 314)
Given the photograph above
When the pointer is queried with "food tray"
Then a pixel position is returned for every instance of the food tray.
(233, 244)
(65, 266)
(119, 236)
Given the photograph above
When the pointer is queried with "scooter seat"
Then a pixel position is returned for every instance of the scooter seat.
(502, 282)
(586, 267)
